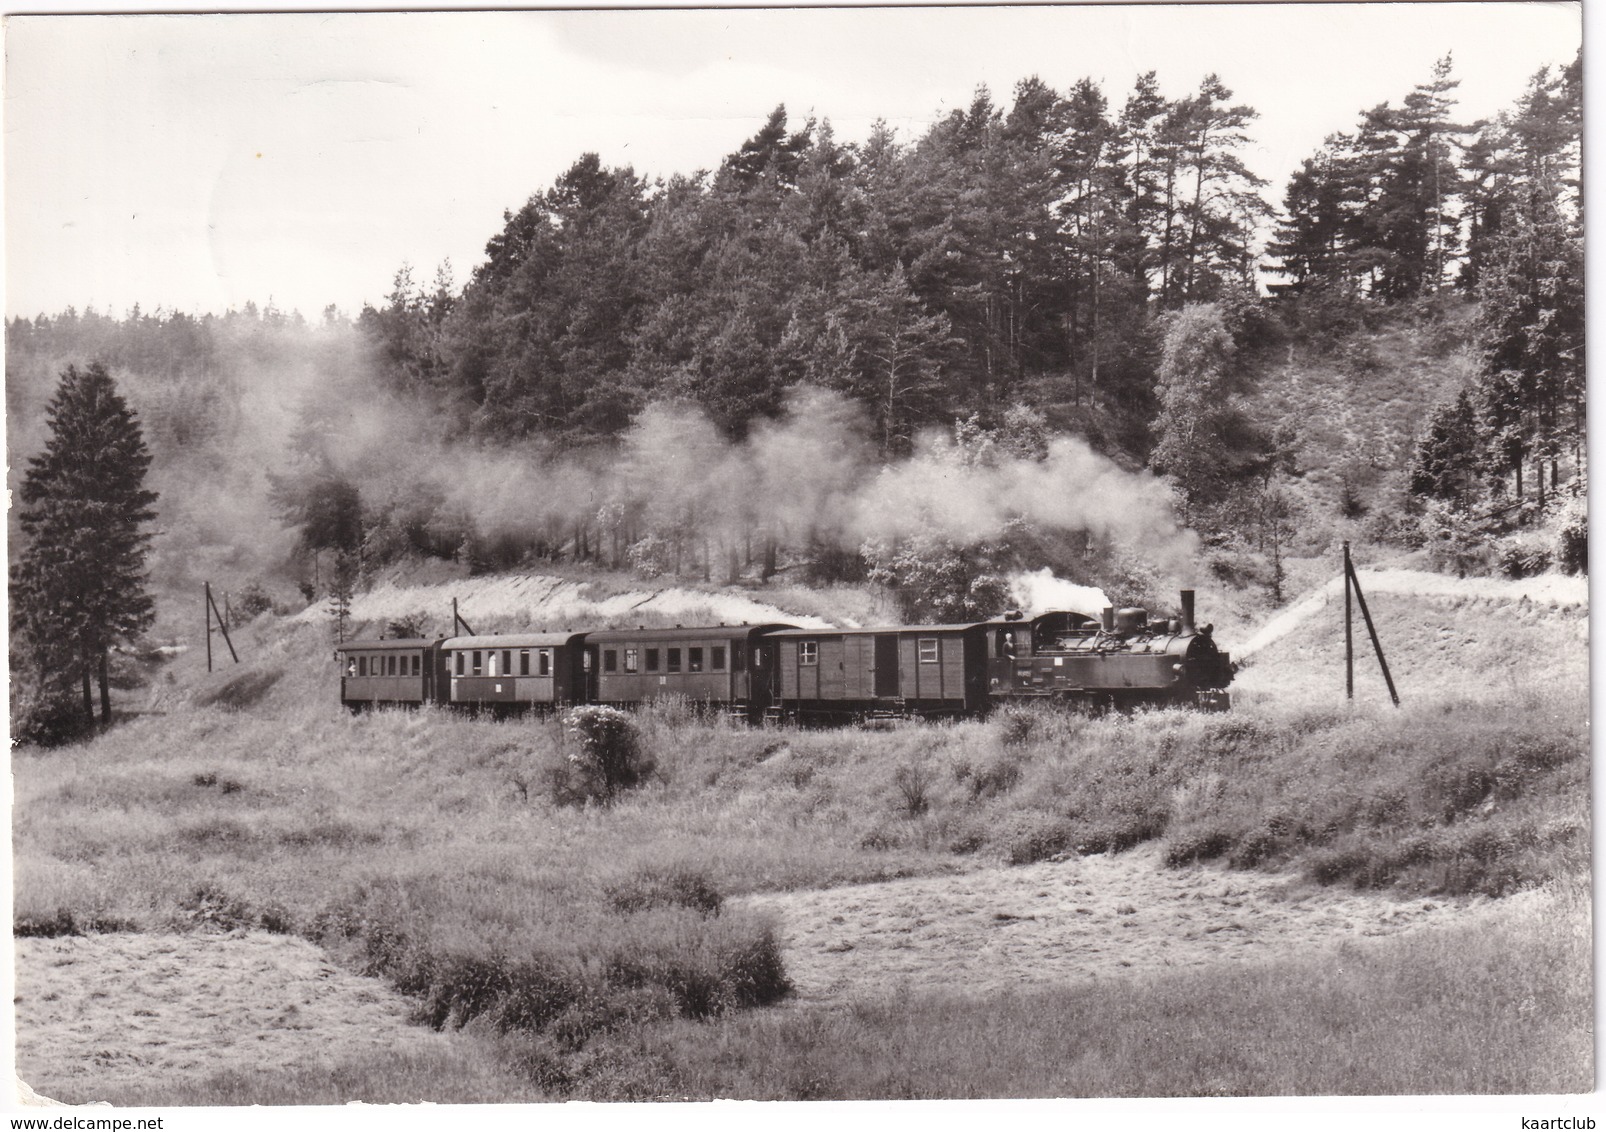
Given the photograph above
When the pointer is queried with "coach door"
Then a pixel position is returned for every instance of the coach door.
(886, 666)
(588, 673)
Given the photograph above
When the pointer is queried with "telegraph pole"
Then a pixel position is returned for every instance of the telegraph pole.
(1352, 580)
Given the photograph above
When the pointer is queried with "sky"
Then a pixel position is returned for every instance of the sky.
(198, 162)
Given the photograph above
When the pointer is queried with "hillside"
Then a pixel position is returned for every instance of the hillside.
(417, 847)
(1355, 403)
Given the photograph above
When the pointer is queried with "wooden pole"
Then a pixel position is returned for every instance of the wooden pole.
(459, 623)
(223, 627)
(1349, 632)
(207, 610)
(1372, 632)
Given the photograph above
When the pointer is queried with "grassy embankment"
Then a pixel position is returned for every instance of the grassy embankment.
(591, 952)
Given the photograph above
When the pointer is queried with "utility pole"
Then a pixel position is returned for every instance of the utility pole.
(1352, 580)
(222, 624)
(458, 622)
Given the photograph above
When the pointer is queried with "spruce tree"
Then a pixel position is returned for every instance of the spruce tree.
(79, 586)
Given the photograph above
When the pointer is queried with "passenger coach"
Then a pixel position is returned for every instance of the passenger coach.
(509, 672)
(403, 672)
(726, 666)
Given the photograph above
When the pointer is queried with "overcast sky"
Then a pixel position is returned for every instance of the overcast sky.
(197, 162)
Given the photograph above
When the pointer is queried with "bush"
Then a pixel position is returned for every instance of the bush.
(1572, 537)
(665, 888)
(1038, 837)
(251, 603)
(1521, 557)
(650, 557)
(914, 784)
(998, 777)
(608, 757)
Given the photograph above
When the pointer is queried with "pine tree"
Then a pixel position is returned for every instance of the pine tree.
(79, 586)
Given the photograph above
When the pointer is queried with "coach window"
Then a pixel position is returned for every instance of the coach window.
(362, 666)
(524, 662)
(928, 651)
(544, 661)
(736, 658)
(674, 660)
(459, 657)
(716, 659)
(418, 665)
(610, 660)
(808, 652)
(507, 662)
(694, 660)
(631, 656)
(490, 663)
(390, 665)
(652, 660)
(479, 663)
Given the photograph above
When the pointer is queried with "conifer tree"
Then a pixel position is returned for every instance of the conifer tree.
(79, 586)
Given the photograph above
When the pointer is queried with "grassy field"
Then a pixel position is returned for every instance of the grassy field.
(595, 951)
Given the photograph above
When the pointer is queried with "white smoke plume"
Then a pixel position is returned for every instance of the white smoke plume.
(1039, 591)
(812, 475)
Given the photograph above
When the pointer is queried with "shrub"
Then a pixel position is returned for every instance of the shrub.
(650, 557)
(1200, 845)
(652, 887)
(608, 756)
(997, 777)
(1038, 837)
(1521, 557)
(1572, 537)
(1016, 725)
(251, 603)
(914, 784)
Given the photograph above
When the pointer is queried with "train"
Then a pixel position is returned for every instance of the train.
(778, 672)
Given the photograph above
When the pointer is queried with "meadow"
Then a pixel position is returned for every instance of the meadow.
(612, 951)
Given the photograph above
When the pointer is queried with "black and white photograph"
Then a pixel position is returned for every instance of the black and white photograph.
(876, 554)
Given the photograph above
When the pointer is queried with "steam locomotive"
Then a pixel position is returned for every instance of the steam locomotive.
(780, 672)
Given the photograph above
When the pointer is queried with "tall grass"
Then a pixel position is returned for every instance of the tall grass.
(428, 848)
(1487, 1007)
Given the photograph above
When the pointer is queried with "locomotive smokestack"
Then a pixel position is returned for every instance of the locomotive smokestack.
(1187, 611)
(1109, 618)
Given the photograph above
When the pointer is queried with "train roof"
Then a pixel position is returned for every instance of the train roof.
(879, 630)
(513, 641)
(681, 633)
(388, 643)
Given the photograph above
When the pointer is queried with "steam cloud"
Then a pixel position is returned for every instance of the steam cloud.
(812, 474)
